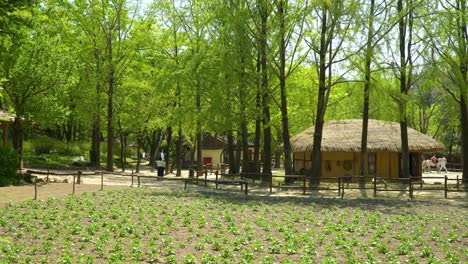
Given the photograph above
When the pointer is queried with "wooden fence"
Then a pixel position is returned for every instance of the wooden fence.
(341, 185)
(77, 175)
(454, 166)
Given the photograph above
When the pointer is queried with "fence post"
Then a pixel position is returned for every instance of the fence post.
(35, 188)
(102, 180)
(79, 177)
(342, 191)
(445, 185)
(458, 185)
(206, 176)
(138, 177)
(132, 178)
(216, 173)
(340, 183)
(74, 179)
(47, 177)
(410, 181)
(375, 185)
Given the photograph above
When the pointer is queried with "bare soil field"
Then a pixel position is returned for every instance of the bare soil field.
(162, 223)
(145, 225)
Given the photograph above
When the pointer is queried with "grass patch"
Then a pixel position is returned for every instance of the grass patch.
(143, 225)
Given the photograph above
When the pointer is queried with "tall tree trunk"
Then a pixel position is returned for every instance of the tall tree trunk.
(321, 103)
(96, 145)
(365, 111)
(199, 129)
(154, 142)
(284, 105)
(139, 143)
(69, 129)
(405, 27)
(110, 135)
(245, 148)
(169, 145)
(258, 132)
(199, 150)
(95, 155)
(153, 149)
(238, 150)
(265, 92)
(177, 103)
(463, 51)
(464, 130)
(122, 145)
(231, 154)
(110, 107)
(178, 161)
(244, 129)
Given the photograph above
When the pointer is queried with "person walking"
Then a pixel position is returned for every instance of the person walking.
(160, 164)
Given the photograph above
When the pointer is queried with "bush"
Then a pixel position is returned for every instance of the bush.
(43, 145)
(33, 161)
(71, 149)
(8, 170)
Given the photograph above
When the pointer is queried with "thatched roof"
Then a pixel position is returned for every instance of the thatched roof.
(345, 135)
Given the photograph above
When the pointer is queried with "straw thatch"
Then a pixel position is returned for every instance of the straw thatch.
(345, 135)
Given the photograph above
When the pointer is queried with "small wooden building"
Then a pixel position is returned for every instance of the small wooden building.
(215, 151)
(212, 150)
(341, 146)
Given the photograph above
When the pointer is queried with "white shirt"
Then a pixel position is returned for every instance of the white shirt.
(160, 163)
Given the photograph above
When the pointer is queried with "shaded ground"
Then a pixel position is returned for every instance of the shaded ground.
(92, 183)
(13, 194)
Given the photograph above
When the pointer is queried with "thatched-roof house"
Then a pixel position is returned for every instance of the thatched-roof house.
(341, 146)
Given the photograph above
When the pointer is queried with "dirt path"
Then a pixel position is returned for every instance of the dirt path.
(13, 194)
(92, 183)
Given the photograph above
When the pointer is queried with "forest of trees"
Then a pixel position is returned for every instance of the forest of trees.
(162, 73)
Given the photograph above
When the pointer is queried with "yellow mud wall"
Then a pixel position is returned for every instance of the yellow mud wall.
(338, 164)
(214, 154)
(394, 167)
(388, 164)
(333, 163)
